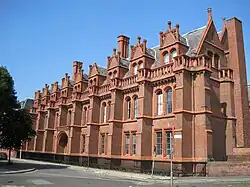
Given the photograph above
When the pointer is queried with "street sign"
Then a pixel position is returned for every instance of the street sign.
(177, 136)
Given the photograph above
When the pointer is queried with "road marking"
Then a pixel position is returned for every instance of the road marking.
(11, 186)
(40, 182)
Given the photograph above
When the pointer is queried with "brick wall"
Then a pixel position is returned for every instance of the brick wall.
(229, 168)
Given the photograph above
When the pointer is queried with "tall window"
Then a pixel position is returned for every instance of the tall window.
(128, 108)
(135, 107)
(169, 100)
(166, 58)
(135, 69)
(134, 143)
(85, 116)
(109, 110)
(168, 143)
(127, 142)
(173, 54)
(104, 113)
(216, 61)
(158, 143)
(69, 117)
(83, 143)
(46, 121)
(102, 143)
(56, 120)
(159, 103)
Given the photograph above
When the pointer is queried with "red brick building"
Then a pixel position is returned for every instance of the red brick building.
(119, 115)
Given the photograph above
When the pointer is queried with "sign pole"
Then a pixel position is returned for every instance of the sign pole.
(153, 163)
(171, 161)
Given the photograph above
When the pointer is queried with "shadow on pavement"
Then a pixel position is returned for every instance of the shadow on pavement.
(24, 165)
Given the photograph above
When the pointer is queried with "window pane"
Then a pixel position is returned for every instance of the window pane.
(159, 104)
(102, 143)
(83, 143)
(168, 143)
(134, 143)
(127, 139)
(158, 143)
(169, 101)
(105, 114)
(136, 108)
(174, 54)
(128, 109)
(166, 58)
(135, 69)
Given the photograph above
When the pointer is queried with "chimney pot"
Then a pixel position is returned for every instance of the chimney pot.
(169, 25)
(209, 11)
(139, 39)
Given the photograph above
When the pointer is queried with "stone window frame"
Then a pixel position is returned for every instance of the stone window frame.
(135, 109)
(127, 113)
(83, 143)
(85, 115)
(69, 117)
(157, 93)
(165, 100)
(104, 112)
(102, 143)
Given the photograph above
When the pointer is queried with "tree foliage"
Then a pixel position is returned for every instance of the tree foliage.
(15, 123)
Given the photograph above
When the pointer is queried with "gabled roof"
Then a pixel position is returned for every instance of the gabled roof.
(102, 71)
(193, 38)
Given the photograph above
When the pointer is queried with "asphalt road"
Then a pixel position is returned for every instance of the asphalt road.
(50, 175)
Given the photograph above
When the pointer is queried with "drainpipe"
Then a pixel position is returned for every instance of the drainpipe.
(194, 115)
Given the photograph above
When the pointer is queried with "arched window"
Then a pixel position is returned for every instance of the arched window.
(140, 65)
(159, 103)
(135, 107)
(85, 116)
(109, 110)
(216, 61)
(169, 101)
(46, 121)
(173, 54)
(135, 69)
(166, 58)
(104, 113)
(128, 104)
(56, 120)
(69, 117)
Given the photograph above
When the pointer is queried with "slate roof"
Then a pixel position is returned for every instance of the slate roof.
(193, 38)
(124, 63)
(26, 104)
(102, 70)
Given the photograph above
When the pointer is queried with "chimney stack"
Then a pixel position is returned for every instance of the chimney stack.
(123, 45)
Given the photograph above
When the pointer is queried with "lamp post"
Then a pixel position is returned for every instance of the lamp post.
(171, 156)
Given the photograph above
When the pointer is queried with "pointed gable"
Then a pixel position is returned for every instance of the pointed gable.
(93, 70)
(139, 50)
(114, 60)
(210, 35)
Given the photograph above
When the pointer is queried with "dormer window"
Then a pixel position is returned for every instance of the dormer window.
(173, 54)
(135, 69)
(166, 58)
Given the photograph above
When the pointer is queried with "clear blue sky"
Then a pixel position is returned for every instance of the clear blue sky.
(39, 40)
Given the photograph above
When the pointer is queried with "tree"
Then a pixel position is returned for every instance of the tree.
(15, 123)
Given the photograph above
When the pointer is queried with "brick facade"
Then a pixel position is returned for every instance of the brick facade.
(195, 83)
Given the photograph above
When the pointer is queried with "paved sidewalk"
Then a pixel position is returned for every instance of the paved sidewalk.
(137, 176)
(14, 168)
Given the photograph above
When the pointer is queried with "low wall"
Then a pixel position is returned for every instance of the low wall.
(228, 168)
(141, 166)
(12, 155)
